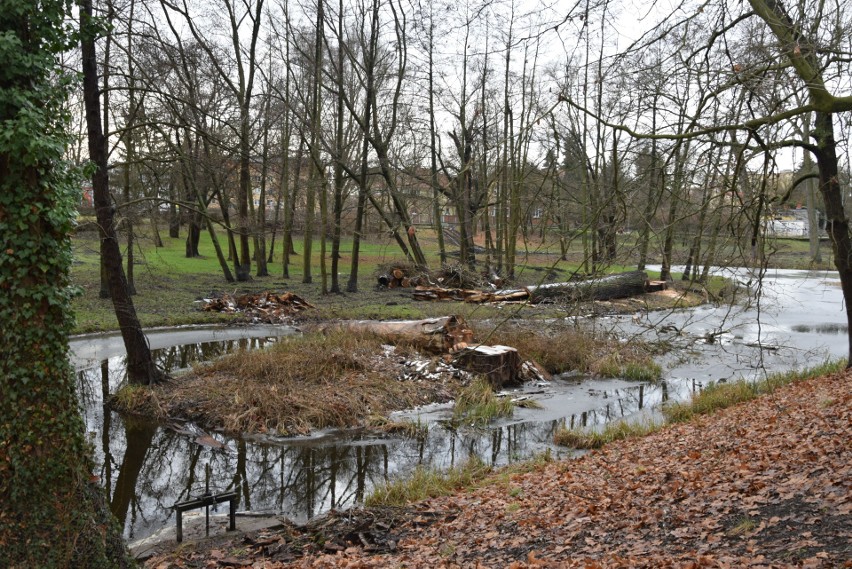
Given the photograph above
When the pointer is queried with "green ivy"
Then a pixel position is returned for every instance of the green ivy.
(53, 514)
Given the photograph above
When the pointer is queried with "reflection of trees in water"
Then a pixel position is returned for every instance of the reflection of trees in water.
(183, 356)
(303, 479)
(299, 478)
(138, 438)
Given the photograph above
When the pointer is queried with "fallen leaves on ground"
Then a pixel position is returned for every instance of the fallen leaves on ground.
(763, 484)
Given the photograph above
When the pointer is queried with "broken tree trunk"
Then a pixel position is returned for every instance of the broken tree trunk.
(620, 285)
(501, 365)
(434, 335)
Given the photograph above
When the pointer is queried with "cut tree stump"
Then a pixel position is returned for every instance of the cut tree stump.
(500, 364)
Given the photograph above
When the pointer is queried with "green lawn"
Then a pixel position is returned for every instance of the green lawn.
(169, 284)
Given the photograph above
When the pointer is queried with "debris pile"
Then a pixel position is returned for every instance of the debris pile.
(447, 349)
(266, 307)
(449, 276)
(489, 361)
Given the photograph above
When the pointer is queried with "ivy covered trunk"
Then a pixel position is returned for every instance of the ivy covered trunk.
(53, 512)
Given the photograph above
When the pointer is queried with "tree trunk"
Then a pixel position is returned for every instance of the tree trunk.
(836, 220)
(290, 211)
(337, 199)
(174, 215)
(501, 365)
(810, 196)
(140, 364)
(620, 285)
(53, 512)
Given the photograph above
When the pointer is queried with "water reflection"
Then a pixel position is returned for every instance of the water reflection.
(146, 468)
(821, 328)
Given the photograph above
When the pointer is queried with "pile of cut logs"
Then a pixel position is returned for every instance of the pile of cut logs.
(267, 307)
(398, 278)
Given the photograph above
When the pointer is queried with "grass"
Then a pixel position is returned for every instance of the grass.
(168, 283)
(528, 404)
(721, 395)
(408, 429)
(560, 349)
(591, 439)
(429, 483)
(637, 368)
(477, 405)
(744, 525)
(280, 390)
(710, 399)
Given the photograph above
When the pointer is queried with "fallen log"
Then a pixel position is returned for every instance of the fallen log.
(439, 293)
(433, 335)
(619, 285)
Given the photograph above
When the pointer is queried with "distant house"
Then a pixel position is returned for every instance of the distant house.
(792, 224)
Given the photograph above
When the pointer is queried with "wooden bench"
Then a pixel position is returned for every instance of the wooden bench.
(205, 502)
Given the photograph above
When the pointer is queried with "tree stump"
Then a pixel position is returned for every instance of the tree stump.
(500, 364)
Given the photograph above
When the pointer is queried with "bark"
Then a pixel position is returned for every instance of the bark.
(501, 365)
(140, 364)
(836, 219)
(337, 201)
(317, 177)
(619, 285)
(363, 184)
(604, 288)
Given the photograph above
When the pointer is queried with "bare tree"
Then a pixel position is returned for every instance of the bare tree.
(140, 364)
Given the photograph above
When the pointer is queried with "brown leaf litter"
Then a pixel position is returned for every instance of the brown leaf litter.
(762, 484)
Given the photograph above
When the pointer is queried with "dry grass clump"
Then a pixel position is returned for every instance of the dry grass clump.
(426, 483)
(476, 404)
(722, 395)
(311, 382)
(591, 439)
(556, 350)
(561, 349)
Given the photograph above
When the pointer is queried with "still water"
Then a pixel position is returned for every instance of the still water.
(794, 319)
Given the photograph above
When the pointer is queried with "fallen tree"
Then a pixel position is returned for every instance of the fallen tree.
(608, 287)
(443, 335)
(620, 285)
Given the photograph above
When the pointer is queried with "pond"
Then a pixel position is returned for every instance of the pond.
(795, 319)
